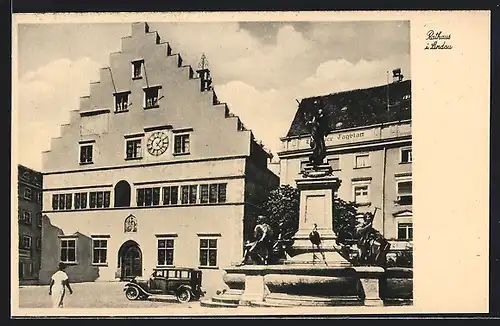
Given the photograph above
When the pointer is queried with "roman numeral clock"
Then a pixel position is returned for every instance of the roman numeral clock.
(157, 143)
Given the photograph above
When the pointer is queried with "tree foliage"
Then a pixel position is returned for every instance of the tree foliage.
(344, 220)
(283, 205)
(282, 208)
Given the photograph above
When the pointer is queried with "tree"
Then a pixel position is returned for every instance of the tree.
(344, 220)
(282, 208)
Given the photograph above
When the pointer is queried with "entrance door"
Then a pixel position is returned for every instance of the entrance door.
(131, 260)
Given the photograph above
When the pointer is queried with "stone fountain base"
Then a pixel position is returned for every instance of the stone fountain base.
(301, 285)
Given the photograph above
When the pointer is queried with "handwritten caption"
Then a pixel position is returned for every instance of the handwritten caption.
(438, 41)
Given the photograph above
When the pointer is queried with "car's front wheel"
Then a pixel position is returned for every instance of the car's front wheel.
(132, 293)
(183, 295)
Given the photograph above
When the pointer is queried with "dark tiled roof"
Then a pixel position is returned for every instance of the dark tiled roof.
(357, 108)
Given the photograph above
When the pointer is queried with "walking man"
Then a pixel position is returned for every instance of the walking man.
(58, 284)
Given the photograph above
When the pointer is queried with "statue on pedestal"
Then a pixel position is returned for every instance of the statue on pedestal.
(318, 127)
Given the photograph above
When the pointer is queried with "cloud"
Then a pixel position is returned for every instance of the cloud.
(269, 112)
(45, 97)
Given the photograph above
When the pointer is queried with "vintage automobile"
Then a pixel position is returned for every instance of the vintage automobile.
(183, 283)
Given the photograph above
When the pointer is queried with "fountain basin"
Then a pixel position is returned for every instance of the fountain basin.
(322, 281)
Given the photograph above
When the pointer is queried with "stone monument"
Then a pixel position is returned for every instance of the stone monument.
(317, 188)
(298, 280)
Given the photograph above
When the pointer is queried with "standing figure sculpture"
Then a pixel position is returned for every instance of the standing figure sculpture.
(318, 127)
(315, 239)
(262, 248)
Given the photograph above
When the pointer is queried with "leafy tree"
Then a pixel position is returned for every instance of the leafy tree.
(344, 220)
(282, 209)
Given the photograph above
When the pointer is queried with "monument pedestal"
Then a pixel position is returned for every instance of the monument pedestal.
(317, 189)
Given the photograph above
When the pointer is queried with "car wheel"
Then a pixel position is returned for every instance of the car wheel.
(132, 293)
(183, 296)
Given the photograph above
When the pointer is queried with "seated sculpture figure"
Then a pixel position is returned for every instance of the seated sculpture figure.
(261, 249)
(372, 246)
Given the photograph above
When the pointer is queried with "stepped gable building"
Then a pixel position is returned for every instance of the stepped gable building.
(29, 195)
(369, 149)
(151, 171)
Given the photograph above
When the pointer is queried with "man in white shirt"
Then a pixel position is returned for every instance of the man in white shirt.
(58, 284)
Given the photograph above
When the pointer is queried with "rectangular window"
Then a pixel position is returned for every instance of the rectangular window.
(362, 161)
(217, 193)
(208, 252)
(100, 251)
(39, 220)
(39, 197)
(38, 244)
(181, 144)
(148, 196)
(222, 193)
(134, 148)
(156, 196)
(405, 231)
(184, 195)
(86, 154)
(100, 199)
(213, 193)
(204, 194)
(68, 250)
(25, 242)
(406, 155)
(193, 191)
(27, 217)
(93, 200)
(27, 193)
(334, 163)
(165, 252)
(55, 202)
(137, 69)
(68, 201)
(121, 102)
(170, 195)
(62, 201)
(151, 97)
(405, 196)
(361, 194)
(81, 200)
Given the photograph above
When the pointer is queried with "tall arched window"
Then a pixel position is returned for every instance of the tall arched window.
(122, 194)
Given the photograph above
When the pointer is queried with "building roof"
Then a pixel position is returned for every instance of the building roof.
(357, 108)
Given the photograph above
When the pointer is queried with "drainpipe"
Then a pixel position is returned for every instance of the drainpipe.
(384, 162)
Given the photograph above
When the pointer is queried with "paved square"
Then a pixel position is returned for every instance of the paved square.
(94, 295)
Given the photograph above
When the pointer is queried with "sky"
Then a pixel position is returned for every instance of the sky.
(260, 69)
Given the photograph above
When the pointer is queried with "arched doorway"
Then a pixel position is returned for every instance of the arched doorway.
(130, 260)
(122, 194)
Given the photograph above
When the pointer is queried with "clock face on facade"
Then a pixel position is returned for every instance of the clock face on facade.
(157, 143)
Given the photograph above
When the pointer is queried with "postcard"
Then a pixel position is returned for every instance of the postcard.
(250, 163)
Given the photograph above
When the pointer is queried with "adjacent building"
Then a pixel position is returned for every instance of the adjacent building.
(29, 194)
(369, 149)
(152, 170)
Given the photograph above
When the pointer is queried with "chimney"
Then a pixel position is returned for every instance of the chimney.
(397, 76)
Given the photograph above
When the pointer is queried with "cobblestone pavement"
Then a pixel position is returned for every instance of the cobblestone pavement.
(94, 295)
